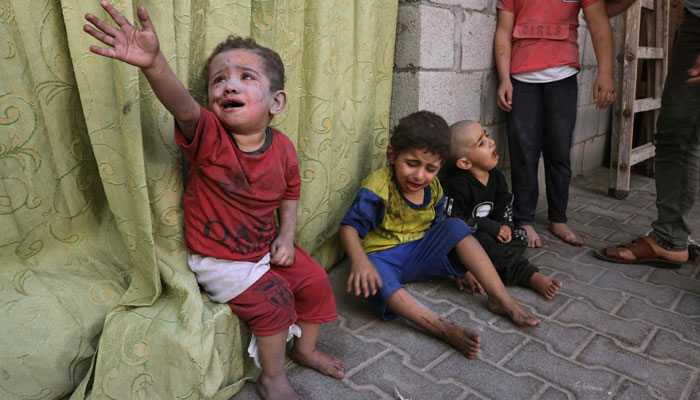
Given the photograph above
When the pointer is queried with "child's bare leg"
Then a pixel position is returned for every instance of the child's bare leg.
(473, 256)
(305, 352)
(545, 285)
(463, 339)
(563, 232)
(533, 239)
(273, 383)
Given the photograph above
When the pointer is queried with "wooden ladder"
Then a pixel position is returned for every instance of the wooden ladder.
(629, 52)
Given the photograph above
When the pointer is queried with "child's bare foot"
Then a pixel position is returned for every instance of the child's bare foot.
(533, 239)
(275, 388)
(563, 232)
(320, 361)
(545, 285)
(465, 340)
(512, 310)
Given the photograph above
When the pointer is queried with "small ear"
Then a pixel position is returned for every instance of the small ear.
(279, 101)
(390, 155)
(463, 163)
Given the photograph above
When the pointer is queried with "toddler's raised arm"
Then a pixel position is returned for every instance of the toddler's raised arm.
(142, 49)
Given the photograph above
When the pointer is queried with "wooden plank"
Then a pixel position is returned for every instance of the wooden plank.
(650, 103)
(641, 153)
(649, 4)
(649, 53)
(622, 129)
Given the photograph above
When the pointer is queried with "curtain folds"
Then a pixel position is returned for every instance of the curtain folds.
(96, 298)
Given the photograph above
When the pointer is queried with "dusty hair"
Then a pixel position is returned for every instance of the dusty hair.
(422, 130)
(272, 62)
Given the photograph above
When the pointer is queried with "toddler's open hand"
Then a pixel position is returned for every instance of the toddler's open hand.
(364, 279)
(136, 47)
(469, 278)
(505, 234)
(282, 252)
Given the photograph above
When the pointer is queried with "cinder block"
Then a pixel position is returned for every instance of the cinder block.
(585, 79)
(467, 4)
(477, 40)
(404, 96)
(436, 37)
(588, 56)
(455, 96)
(586, 123)
(407, 52)
(605, 121)
(491, 113)
(581, 41)
(576, 157)
(593, 153)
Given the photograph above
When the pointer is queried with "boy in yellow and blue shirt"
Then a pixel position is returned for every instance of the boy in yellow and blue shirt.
(396, 232)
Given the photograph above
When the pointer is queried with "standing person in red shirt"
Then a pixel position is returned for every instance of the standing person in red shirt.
(537, 58)
(242, 173)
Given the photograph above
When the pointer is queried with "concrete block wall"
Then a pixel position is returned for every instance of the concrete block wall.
(444, 63)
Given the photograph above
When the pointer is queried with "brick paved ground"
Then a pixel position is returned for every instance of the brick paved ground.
(613, 331)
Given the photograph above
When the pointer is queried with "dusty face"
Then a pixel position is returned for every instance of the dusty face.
(239, 92)
(481, 149)
(414, 169)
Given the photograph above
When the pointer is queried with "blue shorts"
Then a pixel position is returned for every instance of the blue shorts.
(418, 260)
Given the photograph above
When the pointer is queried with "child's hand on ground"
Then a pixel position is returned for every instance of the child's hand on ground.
(505, 234)
(603, 91)
(282, 252)
(469, 278)
(364, 279)
(136, 47)
(505, 95)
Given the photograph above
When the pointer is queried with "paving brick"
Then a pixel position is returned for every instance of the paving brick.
(671, 278)
(634, 271)
(311, 385)
(477, 41)
(632, 391)
(455, 96)
(666, 345)
(659, 295)
(563, 339)
(555, 245)
(636, 210)
(686, 327)
(494, 344)
(632, 333)
(695, 394)
(604, 299)
(689, 305)
(582, 272)
(528, 297)
(354, 350)
(631, 229)
(553, 394)
(614, 214)
(486, 379)
(392, 372)
(666, 379)
(583, 382)
(475, 304)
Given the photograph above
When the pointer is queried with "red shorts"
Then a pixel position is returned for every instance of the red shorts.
(284, 294)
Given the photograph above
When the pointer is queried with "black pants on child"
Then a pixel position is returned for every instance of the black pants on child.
(512, 267)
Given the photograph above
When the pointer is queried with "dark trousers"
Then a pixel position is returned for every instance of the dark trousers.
(541, 122)
(512, 267)
(678, 142)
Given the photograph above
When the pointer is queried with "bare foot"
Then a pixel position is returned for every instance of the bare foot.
(563, 232)
(465, 340)
(322, 362)
(533, 239)
(512, 310)
(275, 388)
(545, 285)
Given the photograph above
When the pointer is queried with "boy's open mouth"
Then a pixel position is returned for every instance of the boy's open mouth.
(231, 104)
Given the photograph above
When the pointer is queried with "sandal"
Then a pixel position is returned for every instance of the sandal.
(642, 251)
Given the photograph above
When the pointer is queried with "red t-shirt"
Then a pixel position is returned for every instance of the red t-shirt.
(231, 195)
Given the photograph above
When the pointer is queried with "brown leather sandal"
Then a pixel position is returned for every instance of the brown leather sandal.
(641, 249)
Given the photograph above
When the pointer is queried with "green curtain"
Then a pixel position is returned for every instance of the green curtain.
(96, 298)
